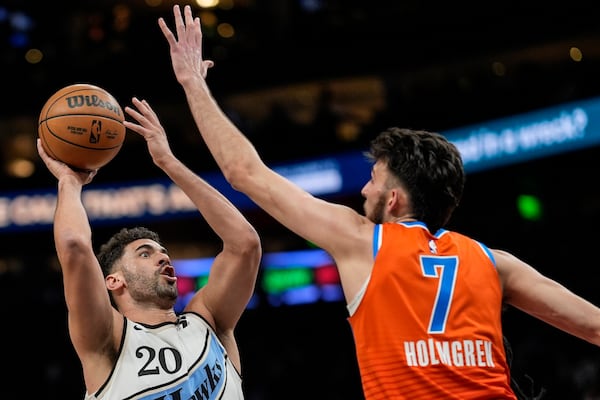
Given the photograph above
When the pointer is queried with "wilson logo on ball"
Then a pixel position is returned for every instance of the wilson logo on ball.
(92, 101)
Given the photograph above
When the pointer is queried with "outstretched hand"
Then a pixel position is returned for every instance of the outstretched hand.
(150, 128)
(186, 48)
(60, 170)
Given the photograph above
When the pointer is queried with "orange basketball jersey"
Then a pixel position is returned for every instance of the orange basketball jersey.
(428, 325)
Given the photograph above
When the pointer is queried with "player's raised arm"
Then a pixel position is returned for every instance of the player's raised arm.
(94, 326)
(238, 159)
(233, 274)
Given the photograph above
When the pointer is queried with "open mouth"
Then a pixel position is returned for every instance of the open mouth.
(169, 273)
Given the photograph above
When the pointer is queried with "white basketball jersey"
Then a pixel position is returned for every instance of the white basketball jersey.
(181, 360)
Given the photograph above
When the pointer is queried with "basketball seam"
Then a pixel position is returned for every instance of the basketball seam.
(79, 145)
(86, 114)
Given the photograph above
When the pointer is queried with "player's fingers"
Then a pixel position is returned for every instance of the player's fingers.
(133, 113)
(167, 32)
(189, 19)
(179, 25)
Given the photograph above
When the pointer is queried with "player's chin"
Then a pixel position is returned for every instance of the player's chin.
(168, 292)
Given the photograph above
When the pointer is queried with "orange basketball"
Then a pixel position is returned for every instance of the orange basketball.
(82, 126)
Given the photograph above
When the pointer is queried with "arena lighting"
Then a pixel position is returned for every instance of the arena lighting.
(19, 25)
(287, 278)
(529, 207)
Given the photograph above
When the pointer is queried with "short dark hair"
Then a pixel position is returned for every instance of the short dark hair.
(112, 250)
(429, 166)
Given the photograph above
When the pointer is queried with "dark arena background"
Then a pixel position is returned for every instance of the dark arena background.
(310, 82)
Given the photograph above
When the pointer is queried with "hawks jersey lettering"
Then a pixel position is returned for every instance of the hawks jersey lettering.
(428, 325)
(171, 361)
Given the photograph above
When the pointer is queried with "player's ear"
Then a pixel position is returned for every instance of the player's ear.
(397, 201)
(114, 281)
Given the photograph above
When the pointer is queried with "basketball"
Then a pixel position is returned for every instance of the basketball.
(82, 126)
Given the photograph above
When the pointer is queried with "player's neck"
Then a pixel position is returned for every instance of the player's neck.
(150, 315)
(404, 218)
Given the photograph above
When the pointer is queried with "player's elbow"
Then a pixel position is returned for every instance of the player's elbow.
(234, 174)
(241, 174)
(71, 240)
(249, 247)
(251, 244)
(72, 247)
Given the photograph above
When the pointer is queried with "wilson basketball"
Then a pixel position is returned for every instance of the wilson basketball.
(82, 126)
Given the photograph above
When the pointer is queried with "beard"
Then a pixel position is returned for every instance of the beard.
(376, 214)
(151, 289)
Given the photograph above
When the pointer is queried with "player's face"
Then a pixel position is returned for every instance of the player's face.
(375, 194)
(149, 274)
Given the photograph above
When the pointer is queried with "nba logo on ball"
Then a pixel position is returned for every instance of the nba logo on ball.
(82, 126)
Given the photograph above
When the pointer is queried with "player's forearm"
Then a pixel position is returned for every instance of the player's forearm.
(575, 315)
(234, 154)
(71, 225)
(556, 305)
(226, 220)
